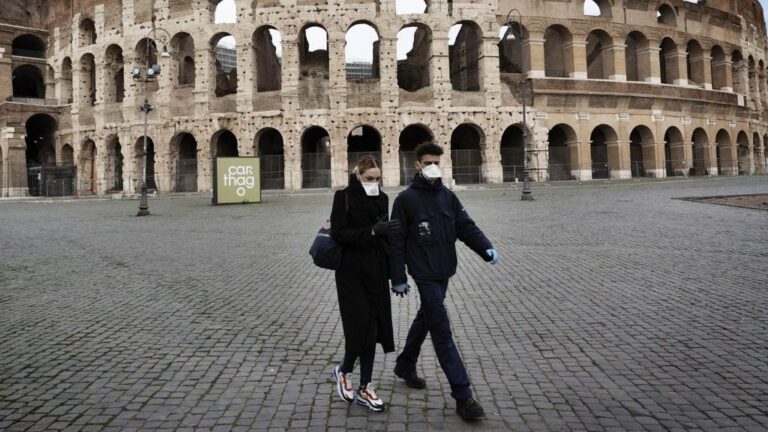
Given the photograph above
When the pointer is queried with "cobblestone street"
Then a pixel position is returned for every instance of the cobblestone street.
(614, 307)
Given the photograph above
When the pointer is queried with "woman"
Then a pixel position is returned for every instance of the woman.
(359, 225)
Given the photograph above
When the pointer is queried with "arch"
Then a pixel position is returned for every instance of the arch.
(267, 48)
(28, 45)
(642, 151)
(88, 179)
(183, 44)
(738, 66)
(467, 142)
(562, 151)
(512, 153)
(40, 137)
(113, 169)
(28, 82)
(700, 164)
(269, 146)
(668, 61)
(597, 8)
(412, 7)
(558, 52)
(87, 32)
(511, 48)
(315, 158)
(723, 151)
(114, 88)
(224, 144)
(65, 90)
(695, 63)
(224, 64)
(636, 56)
(464, 53)
(675, 163)
(361, 51)
(414, 64)
(719, 66)
(314, 66)
(225, 12)
(67, 155)
(140, 172)
(599, 55)
(742, 154)
(146, 53)
(363, 140)
(184, 150)
(410, 137)
(666, 15)
(604, 162)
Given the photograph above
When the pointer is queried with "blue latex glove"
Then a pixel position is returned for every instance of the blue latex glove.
(401, 289)
(493, 255)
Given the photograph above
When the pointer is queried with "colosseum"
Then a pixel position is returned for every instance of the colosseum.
(615, 89)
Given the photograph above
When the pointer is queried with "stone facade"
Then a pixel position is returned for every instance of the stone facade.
(648, 88)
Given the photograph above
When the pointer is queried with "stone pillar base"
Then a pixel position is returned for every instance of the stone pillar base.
(621, 174)
(581, 175)
(656, 173)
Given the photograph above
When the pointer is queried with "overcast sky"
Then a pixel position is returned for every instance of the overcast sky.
(361, 37)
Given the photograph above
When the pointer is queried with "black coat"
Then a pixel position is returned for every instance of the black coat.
(362, 281)
(432, 220)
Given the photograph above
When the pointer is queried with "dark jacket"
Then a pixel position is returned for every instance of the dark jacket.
(432, 219)
(362, 280)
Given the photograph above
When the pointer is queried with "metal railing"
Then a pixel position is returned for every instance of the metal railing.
(512, 173)
(315, 170)
(467, 166)
(272, 172)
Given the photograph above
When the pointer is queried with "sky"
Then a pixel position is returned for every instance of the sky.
(360, 37)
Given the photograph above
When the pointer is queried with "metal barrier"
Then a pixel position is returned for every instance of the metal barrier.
(186, 175)
(467, 166)
(272, 172)
(512, 173)
(316, 170)
(600, 170)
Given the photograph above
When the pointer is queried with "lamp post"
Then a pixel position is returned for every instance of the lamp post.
(150, 73)
(527, 194)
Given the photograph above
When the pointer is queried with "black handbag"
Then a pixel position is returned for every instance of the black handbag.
(326, 253)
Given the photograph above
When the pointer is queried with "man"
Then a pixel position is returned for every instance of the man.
(432, 220)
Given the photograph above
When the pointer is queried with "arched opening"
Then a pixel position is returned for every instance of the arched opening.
(66, 81)
(636, 56)
(562, 139)
(414, 57)
(410, 138)
(87, 33)
(140, 160)
(465, 42)
(87, 80)
(642, 150)
(695, 62)
(719, 66)
(314, 69)
(315, 158)
(742, 154)
(674, 153)
(183, 46)
(88, 183)
(558, 52)
(361, 52)
(597, 8)
(146, 53)
(67, 155)
(270, 149)
(113, 171)
(224, 67)
(512, 153)
(28, 46)
(666, 15)
(411, 7)
(40, 154)
(268, 53)
(28, 82)
(467, 142)
(700, 165)
(224, 144)
(599, 55)
(760, 77)
(668, 61)
(225, 12)
(603, 150)
(114, 88)
(185, 146)
(361, 141)
(738, 66)
(723, 152)
(752, 78)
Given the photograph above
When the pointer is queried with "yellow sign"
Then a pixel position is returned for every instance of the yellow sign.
(238, 180)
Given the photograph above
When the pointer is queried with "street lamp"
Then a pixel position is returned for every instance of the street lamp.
(150, 74)
(514, 13)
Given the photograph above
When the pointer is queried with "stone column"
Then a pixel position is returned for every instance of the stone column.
(339, 167)
(441, 71)
(390, 147)
(676, 66)
(292, 155)
(578, 52)
(246, 64)
(618, 159)
(705, 62)
(492, 168)
(390, 92)
(491, 77)
(204, 80)
(533, 47)
(290, 74)
(580, 159)
(618, 53)
(337, 84)
(15, 175)
(654, 160)
(649, 67)
(727, 73)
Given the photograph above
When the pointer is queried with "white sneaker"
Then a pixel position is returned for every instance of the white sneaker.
(343, 385)
(367, 397)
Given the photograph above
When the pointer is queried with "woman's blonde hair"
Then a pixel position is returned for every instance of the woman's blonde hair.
(365, 163)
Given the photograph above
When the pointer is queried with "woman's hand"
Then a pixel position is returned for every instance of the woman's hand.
(382, 229)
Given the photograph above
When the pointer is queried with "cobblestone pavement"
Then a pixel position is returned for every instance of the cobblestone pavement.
(614, 307)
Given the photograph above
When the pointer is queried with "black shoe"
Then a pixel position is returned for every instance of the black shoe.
(469, 409)
(411, 379)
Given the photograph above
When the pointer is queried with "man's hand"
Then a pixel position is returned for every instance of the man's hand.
(401, 289)
(382, 229)
(493, 255)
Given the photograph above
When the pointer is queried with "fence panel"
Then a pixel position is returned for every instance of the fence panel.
(316, 170)
(467, 166)
(272, 172)
(186, 175)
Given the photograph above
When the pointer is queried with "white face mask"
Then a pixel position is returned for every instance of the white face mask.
(431, 172)
(371, 188)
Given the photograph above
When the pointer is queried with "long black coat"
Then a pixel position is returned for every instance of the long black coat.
(362, 280)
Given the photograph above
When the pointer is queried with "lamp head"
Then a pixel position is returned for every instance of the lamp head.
(136, 73)
(165, 53)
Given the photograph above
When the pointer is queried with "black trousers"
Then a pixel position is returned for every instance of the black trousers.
(366, 364)
(432, 319)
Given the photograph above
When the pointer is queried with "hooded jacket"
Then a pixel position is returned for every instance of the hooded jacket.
(432, 220)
